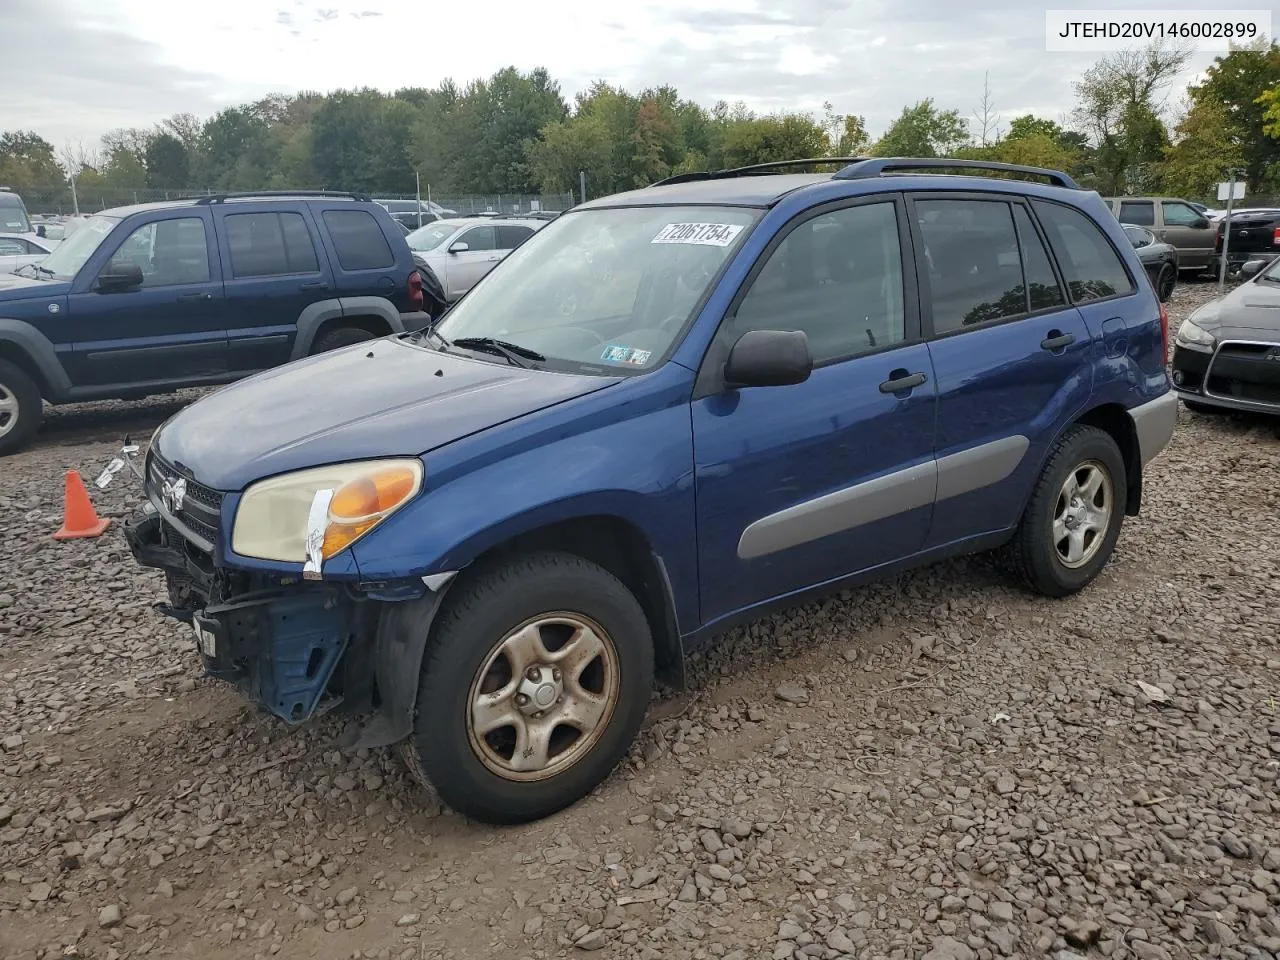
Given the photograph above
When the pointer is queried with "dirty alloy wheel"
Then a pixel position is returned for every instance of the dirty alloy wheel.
(1166, 280)
(1072, 521)
(21, 408)
(342, 337)
(535, 681)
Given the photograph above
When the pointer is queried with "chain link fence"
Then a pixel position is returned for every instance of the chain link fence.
(58, 199)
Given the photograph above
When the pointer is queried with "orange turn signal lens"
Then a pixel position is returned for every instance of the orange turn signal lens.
(358, 505)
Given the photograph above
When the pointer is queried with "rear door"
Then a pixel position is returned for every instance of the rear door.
(1189, 231)
(170, 329)
(273, 274)
(359, 253)
(1011, 356)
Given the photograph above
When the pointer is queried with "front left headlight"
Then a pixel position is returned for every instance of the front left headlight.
(1194, 337)
(274, 515)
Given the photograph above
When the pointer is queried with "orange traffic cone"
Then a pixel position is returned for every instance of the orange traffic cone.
(78, 516)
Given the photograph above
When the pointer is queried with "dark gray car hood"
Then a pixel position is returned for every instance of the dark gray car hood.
(1249, 312)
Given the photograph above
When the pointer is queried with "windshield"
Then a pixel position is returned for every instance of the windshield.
(13, 215)
(1272, 272)
(70, 255)
(603, 291)
(431, 236)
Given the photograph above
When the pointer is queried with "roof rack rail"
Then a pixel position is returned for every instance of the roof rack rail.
(301, 194)
(879, 166)
(753, 169)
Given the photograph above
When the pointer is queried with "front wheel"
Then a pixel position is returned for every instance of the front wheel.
(1072, 521)
(535, 682)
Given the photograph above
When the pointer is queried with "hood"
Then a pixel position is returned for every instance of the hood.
(384, 398)
(15, 287)
(1251, 312)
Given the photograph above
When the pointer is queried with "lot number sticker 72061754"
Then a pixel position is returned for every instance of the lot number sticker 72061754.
(700, 234)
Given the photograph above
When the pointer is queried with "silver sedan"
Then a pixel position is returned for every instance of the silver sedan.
(19, 249)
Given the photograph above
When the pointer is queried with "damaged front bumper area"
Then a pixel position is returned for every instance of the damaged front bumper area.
(298, 648)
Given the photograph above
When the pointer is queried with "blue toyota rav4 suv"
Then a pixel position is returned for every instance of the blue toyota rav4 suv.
(487, 537)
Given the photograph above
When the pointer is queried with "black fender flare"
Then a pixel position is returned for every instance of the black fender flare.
(315, 315)
(37, 349)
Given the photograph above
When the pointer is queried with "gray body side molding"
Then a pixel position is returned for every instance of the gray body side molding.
(1154, 423)
(886, 496)
(316, 314)
(36, 345)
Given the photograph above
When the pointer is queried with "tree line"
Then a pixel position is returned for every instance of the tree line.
(515, 132)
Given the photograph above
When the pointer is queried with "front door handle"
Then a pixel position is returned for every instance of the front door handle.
(901, 380)
(313, 285)
(196, 296)
(1057, 340)
(494, 259)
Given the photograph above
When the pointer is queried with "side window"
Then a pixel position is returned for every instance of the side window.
(479, 238)
(1141, 212)
(511, 237)
(358, 240)
(12, 247)
(1043, 291)
(269, 244)
(1090, 265)
(170, 252)
(1179, 214)
(837, 277)
(975, 270)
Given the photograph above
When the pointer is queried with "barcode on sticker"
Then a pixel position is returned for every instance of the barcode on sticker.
(701, 234)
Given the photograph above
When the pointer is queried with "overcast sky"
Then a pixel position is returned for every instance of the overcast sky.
(77, 68)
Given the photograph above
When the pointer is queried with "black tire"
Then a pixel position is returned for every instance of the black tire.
(21, 408)
(1033, 552)
(1196, 407)
(473, 622)
(341, 337)
(1166, 280)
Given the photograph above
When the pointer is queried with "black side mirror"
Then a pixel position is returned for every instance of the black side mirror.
(769, 358)
(1252, 268)
(119, 276)
(41, 231)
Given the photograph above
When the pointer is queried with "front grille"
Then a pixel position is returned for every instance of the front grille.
(201, 506)
(1245, 371)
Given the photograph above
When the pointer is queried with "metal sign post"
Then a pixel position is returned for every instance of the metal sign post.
(1229, 189)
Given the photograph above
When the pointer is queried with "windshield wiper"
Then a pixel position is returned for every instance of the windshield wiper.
(38, 268)
(514, 354)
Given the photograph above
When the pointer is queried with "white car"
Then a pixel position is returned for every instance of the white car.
(19, 250)
(460, 252)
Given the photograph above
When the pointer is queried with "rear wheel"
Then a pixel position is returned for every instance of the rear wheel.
(341, 337)
(1166, 280)
(1072, 522)
(535, 681)
(21, 408)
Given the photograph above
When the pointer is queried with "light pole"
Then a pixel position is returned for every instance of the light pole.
(1226, 230)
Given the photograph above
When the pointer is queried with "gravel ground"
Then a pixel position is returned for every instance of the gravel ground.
(939, 766)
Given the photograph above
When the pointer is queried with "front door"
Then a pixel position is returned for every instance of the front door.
(1190, 232)
(464, 268)
(1011, 354)
(799, 485)
(172, 328)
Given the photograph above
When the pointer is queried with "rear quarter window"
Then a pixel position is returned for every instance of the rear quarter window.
(358, 240)
(1090, 265)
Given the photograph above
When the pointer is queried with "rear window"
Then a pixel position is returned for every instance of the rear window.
(511, 237)
(1090, 265)
(358, 240)
(270, 244)
(13, 214)
(1141, 212)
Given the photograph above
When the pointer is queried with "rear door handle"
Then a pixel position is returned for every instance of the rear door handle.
(314, 285)
(494, 259)
(196, 296)
(906, 382)
(1057, 340)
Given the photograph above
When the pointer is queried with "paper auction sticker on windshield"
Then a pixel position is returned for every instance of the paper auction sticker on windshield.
(700, 234)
